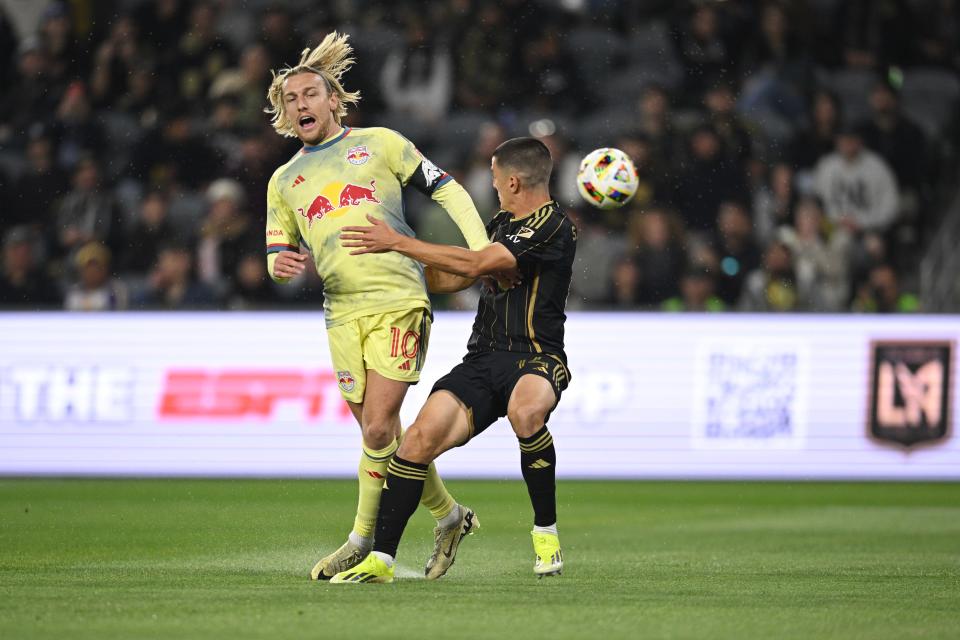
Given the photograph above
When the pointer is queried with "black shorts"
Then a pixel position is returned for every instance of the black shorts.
(484, 382)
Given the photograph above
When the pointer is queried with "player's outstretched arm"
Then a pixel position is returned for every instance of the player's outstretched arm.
(443, 282)
(380, 238)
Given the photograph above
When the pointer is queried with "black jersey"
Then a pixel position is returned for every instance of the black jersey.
(529, 317)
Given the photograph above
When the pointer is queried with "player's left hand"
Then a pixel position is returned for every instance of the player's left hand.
(377, 238)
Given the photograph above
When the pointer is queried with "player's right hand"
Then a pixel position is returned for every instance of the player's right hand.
(289, 264)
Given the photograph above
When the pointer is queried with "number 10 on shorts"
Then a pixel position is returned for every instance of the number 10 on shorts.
(407, 343)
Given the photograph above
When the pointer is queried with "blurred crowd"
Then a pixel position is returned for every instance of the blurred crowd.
(793, 156)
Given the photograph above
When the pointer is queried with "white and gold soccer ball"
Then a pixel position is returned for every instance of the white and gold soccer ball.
(607, 178)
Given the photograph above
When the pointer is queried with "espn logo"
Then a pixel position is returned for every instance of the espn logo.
(249, 393)
(910, 386)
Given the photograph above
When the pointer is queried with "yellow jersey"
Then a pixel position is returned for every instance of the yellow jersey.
(337, 183)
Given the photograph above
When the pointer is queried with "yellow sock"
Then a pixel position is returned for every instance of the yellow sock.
(435, 497)
(370, 476)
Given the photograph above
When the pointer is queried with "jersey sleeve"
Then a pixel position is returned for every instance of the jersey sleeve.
(541, 239)
(282, 231)
(411, 168)
(414, 170)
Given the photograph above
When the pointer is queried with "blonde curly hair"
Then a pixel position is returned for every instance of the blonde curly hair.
(329, 60)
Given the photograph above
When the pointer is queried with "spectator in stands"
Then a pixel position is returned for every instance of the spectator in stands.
(774, 286)
(33, 94)
(171, 284)
(417, 77)
(871, 37)
(857, 187)
(880, 293)
(164, 23)
(94, 289)
(597, 252)
(708, 180)
(278, 35)
(484, 56)
(656, 242)
(624, 283)
(773, 203)
(720, 101)
(736, 250)
(655, 121)
(23, 284)
(150, 231)
(34, 193)
(899, 141)
(550, 80)
(115, 61)
(702, 50)
(776, 67)
(226, 232)
(88, 212)
(245, 85)
(201, 54)
(821, 257)
(477, 179)
(697, 292)
(651, 186)
(172, 154)
(65, 58)
(812, 143)
(252, 288)
(76, 131)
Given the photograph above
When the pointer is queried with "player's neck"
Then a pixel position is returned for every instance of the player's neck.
(526, 204)
(332, 132)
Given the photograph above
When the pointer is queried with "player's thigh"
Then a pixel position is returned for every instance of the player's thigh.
(395, 343)
(473, 383)
(346, 353)
(540, 381)
(442, 424)
(382, 400)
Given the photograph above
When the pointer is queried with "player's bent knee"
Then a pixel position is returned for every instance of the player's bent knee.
(378, 435)
(526, 419)
(421, 445)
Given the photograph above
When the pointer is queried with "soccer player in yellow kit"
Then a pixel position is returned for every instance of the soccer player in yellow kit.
(377, 310)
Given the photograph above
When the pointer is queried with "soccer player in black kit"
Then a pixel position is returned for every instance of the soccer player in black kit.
(515, 363)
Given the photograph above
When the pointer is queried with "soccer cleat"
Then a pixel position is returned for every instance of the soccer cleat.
(447, 541)
(549, 558)
(371, 569)
(346, 557)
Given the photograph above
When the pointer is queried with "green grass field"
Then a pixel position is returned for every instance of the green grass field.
(229, 559)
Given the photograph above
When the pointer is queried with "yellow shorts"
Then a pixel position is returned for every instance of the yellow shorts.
(393, 344)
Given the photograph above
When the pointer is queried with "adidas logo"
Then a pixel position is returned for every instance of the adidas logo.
(540, 463)
(375, 474)
(299, 180)
(405, 366)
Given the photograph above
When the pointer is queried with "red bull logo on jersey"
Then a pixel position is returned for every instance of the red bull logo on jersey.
(336, 197)
(358, 155)
(346, 381)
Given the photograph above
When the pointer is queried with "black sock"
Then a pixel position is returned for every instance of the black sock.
(538, 461)
(400, 497)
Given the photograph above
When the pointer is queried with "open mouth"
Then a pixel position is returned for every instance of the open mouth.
(307, 122)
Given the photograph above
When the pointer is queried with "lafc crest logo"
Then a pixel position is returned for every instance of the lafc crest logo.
(910, 391)
(523, 232)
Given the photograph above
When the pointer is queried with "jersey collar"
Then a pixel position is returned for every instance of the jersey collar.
(548, 203)
(329, 143)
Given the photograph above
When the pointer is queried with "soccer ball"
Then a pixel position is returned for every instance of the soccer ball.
(607, 178)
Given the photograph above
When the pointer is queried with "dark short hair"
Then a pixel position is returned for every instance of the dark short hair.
(528, 157)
